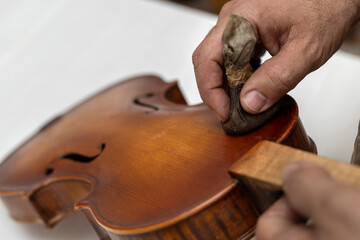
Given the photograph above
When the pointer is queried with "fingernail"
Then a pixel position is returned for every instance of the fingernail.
(289, 170)
(255, 101)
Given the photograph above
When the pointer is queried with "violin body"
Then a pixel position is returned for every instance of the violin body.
(141, 164)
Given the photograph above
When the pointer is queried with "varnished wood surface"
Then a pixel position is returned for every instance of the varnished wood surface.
(162, 161)
(231, 217)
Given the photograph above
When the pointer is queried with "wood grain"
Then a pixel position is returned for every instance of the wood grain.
(259, 171)
(266, 160)
(137, 161)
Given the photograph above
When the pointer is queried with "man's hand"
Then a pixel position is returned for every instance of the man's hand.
(300, 35)
(311, 194)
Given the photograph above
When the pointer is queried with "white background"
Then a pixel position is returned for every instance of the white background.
(56, 53)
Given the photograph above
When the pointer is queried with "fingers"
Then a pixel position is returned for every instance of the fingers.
(307, 187)
(298, 48)
(310, 193)
(280, 221)
(207, 60)
(331, 206)
(275, 78)
(265, 87)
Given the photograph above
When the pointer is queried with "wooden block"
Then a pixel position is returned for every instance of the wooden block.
(266, 160)
(259, 171)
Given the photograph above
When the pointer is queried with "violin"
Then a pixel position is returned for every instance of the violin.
(141, 164)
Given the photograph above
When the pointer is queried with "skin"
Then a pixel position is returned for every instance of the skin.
(301, 36)
(310, 193)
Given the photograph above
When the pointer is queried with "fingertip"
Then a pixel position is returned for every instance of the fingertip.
(289, 170)
(221, 115)
(223, 112)
(254, 102)
(300, 168)
(303, 166)
(306, 185)
(217, 100)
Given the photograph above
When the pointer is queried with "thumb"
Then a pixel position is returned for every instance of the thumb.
(275, 78)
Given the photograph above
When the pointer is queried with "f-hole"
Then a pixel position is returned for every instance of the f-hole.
(138, 101)
(76, 157)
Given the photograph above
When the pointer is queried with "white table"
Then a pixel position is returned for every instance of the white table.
(56, 53)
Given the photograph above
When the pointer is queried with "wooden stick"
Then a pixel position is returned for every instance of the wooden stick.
(266, 160)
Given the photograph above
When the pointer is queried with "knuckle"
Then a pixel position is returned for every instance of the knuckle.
(312, 51)
(201, 87)
(226, 9)
(195, 56)
(204, 95)
(299, 180)
(198, 61)
(295, 180)
(199, 75)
